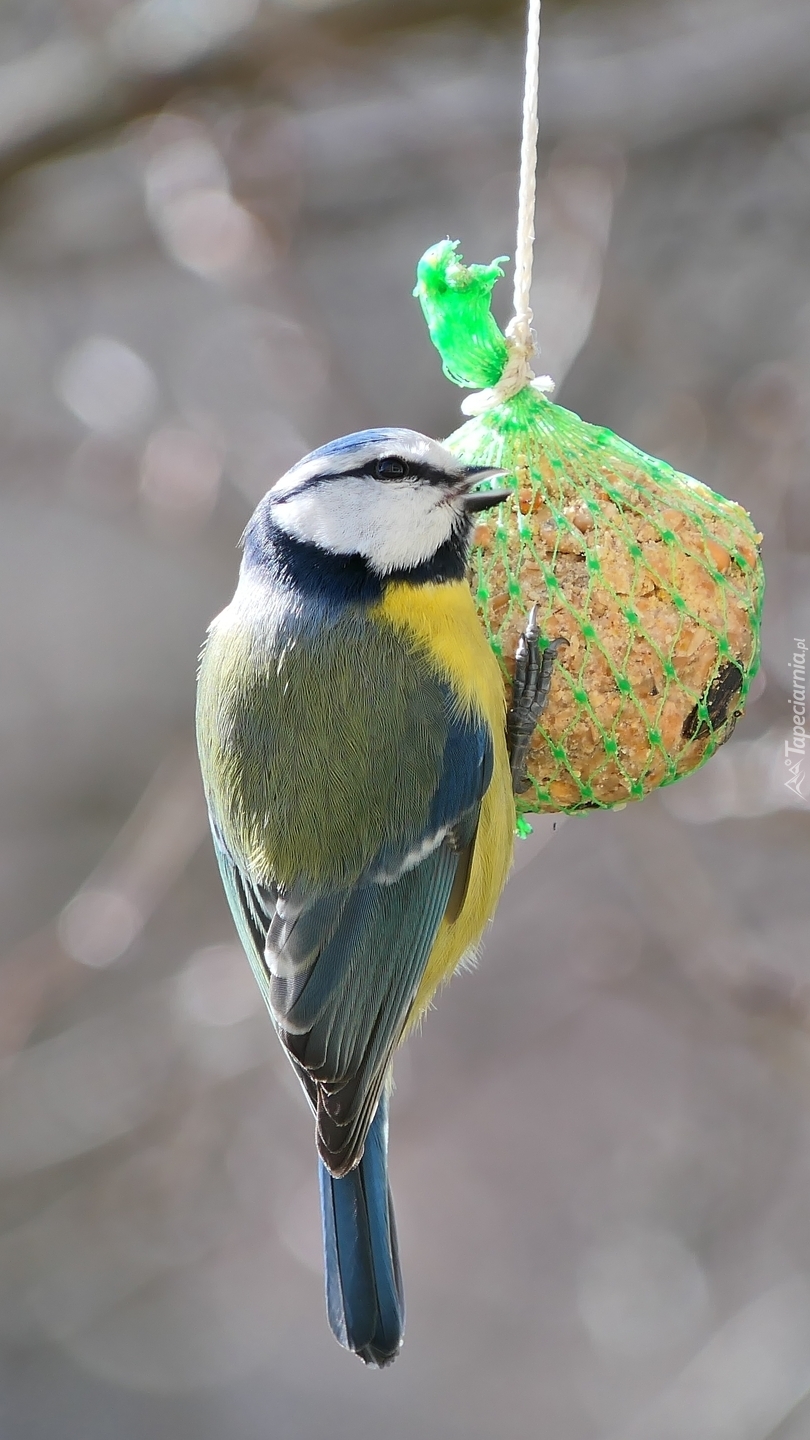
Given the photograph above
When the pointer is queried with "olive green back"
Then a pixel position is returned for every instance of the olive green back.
(300, 746)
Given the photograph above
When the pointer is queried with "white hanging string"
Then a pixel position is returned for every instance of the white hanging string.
(520, 339)
(520, 329)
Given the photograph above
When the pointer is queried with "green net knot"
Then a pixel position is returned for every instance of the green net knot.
(455, 300)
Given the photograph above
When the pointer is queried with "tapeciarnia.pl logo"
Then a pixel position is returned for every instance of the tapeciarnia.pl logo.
(796, 749)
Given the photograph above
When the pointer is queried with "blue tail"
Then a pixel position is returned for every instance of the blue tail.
(364, 1299)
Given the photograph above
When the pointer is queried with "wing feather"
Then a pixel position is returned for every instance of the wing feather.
(339, 967)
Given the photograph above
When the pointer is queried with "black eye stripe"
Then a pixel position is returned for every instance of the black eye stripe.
(407, 470)
(434, 475)
(412, 470)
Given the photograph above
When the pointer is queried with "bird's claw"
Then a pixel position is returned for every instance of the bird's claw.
(532, 681)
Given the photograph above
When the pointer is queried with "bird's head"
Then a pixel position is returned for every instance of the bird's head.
(394, 497)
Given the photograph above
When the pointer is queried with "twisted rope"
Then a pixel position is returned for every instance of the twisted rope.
(518, 372)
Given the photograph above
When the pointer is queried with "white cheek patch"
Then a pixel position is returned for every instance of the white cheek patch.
(395, 526)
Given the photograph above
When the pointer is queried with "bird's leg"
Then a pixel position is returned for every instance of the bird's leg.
(532, 682)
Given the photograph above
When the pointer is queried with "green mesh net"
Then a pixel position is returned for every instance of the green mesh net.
(653, 579)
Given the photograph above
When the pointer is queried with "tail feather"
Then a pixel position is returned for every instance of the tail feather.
(364, 1298)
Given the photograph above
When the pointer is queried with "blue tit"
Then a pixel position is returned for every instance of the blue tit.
(352, 736)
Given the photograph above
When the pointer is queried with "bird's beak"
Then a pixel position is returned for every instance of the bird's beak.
(475, 500)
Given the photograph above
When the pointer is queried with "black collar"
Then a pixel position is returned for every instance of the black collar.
(343, 579)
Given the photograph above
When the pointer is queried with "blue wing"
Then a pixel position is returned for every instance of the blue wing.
(340, 970)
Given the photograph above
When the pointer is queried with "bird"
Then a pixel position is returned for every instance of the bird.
(360, 771)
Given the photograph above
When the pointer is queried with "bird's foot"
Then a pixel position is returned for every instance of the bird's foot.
(532, 682)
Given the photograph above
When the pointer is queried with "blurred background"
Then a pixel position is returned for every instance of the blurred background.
(210, 215)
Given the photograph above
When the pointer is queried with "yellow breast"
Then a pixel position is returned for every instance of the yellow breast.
(441, 620)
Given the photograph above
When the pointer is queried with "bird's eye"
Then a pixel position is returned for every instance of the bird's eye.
(389, 469)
